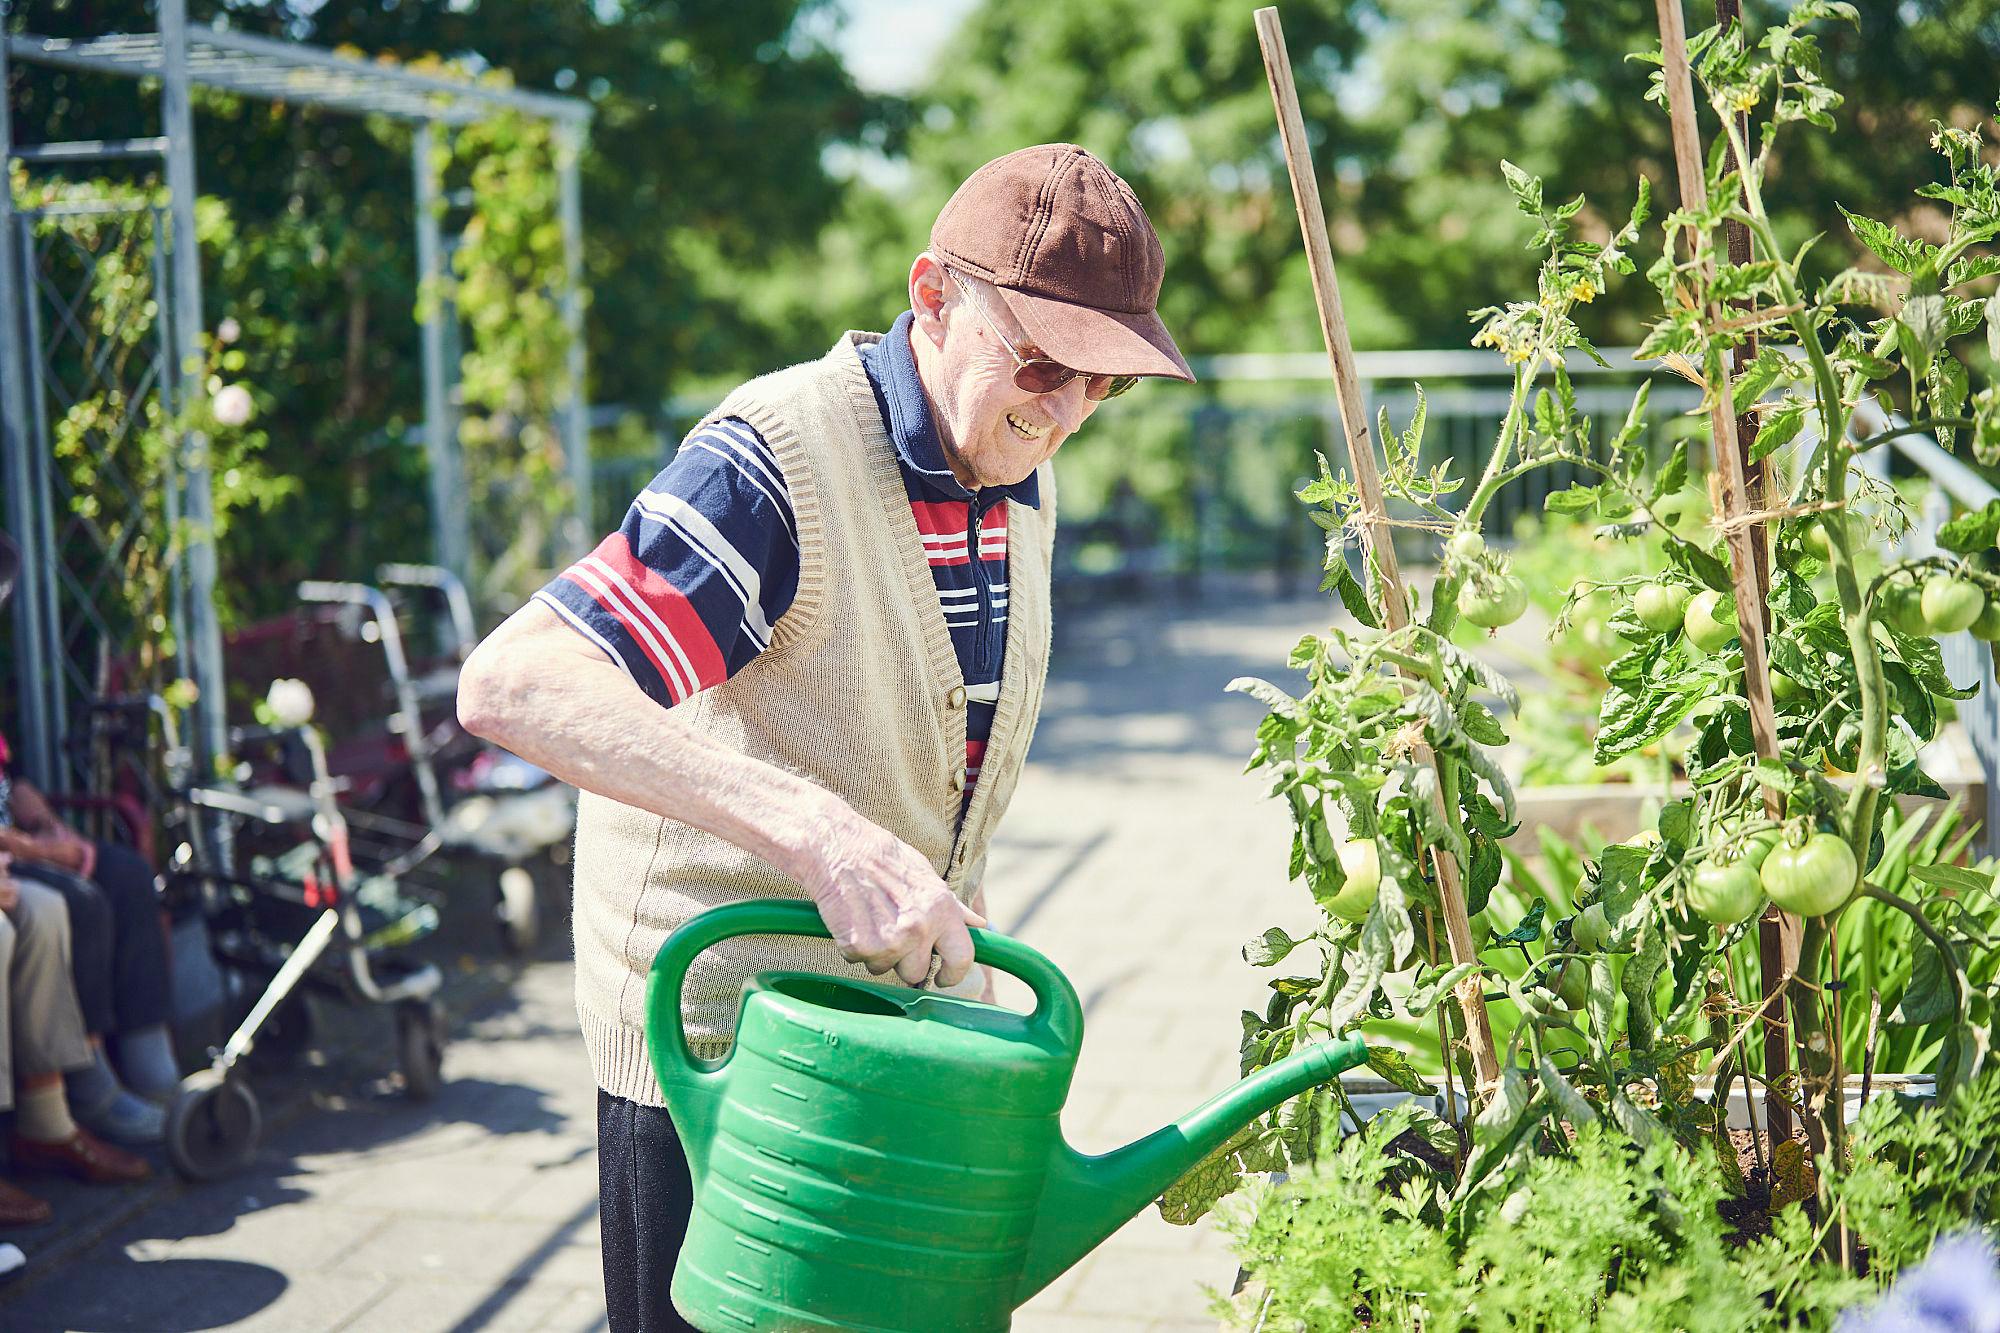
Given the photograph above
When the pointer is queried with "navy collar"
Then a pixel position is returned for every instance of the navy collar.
(906, 410)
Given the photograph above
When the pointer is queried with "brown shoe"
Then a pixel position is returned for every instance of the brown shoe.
(18, 1208)
(83, 1155)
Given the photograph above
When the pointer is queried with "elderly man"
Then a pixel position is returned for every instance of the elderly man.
(809, 662)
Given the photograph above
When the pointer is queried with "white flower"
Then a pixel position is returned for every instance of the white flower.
(231, 405)
(228, 331)
(290, 702)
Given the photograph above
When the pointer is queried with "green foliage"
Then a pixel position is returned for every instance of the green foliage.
(1593, 1231)
(1590, 1230)
(704, 164)
(508, 285)
(120, 461)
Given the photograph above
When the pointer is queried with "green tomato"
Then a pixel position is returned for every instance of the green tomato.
(1951, 604)
(1753, 849)
(1902, 606)
(1812, 878)
(1725, 891)
(1569, 981)
(1589, 931)
(1660, 606)
(1987, 627)
(1815, 540)
(1362, 865)
(1710, 621)
(1784, 689)
(1465, 547)
(1501, 602)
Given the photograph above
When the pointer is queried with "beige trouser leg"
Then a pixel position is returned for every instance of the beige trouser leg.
(43, 1020)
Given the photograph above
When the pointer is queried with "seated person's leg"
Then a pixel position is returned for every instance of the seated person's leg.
(139, 983)
(18, 1208)
(44, 1028)
(100, 1102)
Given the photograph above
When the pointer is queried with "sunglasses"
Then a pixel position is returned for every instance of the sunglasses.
(1039, 374)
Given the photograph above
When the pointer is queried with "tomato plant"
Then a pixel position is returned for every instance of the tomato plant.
(1653, 965)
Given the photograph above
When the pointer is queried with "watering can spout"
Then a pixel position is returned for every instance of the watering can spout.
(1088, 1198)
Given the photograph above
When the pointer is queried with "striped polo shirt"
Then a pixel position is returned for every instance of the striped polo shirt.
(685, 593)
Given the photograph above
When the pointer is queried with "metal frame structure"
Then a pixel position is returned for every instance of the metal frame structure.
(182, 55)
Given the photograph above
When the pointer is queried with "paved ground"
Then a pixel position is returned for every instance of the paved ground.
(1136, 855)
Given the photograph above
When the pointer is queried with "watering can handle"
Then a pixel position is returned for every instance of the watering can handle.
(1057, 1010)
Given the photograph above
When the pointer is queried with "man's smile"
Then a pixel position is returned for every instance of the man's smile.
(1026, 429)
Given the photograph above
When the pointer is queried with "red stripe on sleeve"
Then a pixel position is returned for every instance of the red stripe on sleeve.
(657, 613)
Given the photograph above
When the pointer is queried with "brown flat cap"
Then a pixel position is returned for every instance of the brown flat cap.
(1073, 255)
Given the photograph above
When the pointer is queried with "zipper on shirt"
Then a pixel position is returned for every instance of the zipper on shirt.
(982, 631)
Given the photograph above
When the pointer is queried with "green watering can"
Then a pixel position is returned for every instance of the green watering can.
(869, 1157)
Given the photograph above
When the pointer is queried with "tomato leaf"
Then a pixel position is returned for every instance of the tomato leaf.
(1778, 428)
(1215, 1177)
(1927, 998)
(1269, 949)
(1884, 242)
(1569, 1103)
(1578, 499)
(1433, 985)
(1926, 661)
(1529, 929)
(1396, 1070)
(1972, 531)
(1955, 879)
(1273, 698)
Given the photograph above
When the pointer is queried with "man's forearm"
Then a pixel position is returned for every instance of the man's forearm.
(582, 719)
(31, 809)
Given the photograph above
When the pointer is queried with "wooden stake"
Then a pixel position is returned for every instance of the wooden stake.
(1777, 937)
(1368, 481)
(1746, 542)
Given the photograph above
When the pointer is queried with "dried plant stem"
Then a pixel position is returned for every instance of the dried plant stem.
(1368, 481)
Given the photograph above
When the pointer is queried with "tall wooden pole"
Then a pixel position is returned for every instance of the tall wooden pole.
(1746, 547)
(1368, 481)
(1777, 932)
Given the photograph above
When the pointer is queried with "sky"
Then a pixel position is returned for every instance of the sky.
(888, 45)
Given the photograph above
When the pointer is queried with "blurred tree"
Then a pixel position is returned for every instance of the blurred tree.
(1411, 104)
(705, 156)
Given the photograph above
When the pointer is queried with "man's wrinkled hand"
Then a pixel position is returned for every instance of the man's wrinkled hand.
(886, 906)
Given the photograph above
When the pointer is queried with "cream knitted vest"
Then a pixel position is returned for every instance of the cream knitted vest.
(859, 691)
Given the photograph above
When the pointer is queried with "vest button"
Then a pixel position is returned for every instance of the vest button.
(958, 780)
(957, 696)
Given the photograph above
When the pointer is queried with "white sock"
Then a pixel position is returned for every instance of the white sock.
(42, 1114)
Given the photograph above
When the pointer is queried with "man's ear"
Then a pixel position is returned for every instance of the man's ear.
(927, 297)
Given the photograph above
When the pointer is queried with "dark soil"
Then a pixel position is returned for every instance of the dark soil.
(1750, 1216)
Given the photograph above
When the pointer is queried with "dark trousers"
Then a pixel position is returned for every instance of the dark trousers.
(118, 943)
(644, 1198)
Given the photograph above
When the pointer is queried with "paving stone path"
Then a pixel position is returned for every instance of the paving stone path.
(1137, 856)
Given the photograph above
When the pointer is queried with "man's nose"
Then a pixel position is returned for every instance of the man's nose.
(1069, 405)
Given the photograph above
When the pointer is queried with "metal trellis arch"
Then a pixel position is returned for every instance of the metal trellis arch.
(62, 615)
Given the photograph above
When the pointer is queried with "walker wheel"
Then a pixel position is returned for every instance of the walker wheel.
(516, 912)
(213, 1126)
(420, 1039)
